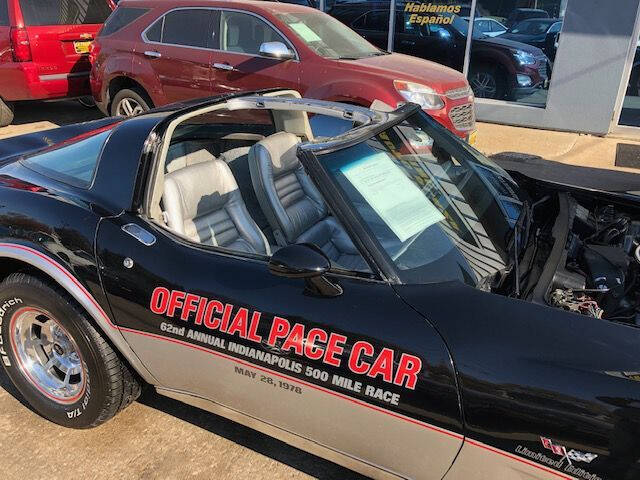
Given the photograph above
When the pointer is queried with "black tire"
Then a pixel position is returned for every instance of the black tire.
(109, 384)
(134, 96)
(87, 102)
(6, 113)
(487, 81)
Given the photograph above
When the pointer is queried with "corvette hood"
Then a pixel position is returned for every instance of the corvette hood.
(570, 175)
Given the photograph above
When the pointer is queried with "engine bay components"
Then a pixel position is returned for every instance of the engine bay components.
(584, 257)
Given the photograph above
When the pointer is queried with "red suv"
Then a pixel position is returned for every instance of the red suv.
(154, 52)
(44, 47)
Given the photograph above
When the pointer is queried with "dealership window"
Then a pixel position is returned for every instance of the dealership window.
(513, 46)
(369, 19)
(630, 115)
(515, 65)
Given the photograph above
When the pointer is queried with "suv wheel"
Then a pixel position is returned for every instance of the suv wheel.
(59, 362)
(487, 82)
(130, 102)
(6, 113)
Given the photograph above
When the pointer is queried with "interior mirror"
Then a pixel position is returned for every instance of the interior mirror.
(276, 50)
(306, 261)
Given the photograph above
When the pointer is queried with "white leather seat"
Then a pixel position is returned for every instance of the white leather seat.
(202, 202)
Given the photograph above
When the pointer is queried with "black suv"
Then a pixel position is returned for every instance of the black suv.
(499, 69)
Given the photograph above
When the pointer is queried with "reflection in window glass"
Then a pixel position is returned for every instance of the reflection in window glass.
(630, 115)
(369, 19)
(74, 163)
(70, 12)
(515, 62)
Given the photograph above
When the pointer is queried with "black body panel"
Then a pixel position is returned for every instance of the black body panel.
(37, 213)
(248, 283)
(571, 175)
(528, 371)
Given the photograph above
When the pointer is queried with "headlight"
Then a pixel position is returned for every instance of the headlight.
(524, 58)
(423, 95)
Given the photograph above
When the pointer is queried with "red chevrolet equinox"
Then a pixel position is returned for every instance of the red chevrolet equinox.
(154, 52)
(44, 46)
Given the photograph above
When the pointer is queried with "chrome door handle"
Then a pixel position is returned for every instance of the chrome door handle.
(224, 66)
(144, 237)
(152, 54)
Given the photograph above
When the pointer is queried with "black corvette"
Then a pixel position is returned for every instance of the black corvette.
(385, 297)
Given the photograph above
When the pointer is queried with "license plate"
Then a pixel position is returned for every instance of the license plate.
(473, 137)
(81, 47)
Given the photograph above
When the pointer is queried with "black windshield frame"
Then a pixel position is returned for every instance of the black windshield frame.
(311, 154)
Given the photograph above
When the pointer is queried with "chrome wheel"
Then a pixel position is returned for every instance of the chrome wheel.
(484, 85)
(128, 107)
(47, 355)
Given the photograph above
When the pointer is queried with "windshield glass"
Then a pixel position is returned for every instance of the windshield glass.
(438, 209)
(327, 36)
(533, 27)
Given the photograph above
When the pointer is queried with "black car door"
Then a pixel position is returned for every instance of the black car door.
(361, 373)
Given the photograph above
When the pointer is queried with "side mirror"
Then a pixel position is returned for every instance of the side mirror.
(299, 261)
(308, 262)
(277, 50)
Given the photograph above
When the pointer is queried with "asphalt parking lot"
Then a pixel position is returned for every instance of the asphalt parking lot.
(155, 438)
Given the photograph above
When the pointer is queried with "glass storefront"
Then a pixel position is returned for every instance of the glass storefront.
(630, 115)
(513, 45)
(513, 49)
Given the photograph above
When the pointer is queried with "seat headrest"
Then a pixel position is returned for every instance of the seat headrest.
(282, 149)
(184, 154)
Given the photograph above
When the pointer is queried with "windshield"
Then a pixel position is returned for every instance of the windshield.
(533, 27)
(437, 208)
(328, 37)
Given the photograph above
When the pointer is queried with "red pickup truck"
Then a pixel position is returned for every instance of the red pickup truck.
(154, 52)
(44, 48)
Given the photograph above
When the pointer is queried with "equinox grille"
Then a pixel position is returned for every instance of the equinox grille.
(463, 117)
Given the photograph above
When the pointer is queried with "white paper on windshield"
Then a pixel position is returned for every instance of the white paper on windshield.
(398, 201)
(305, 32)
